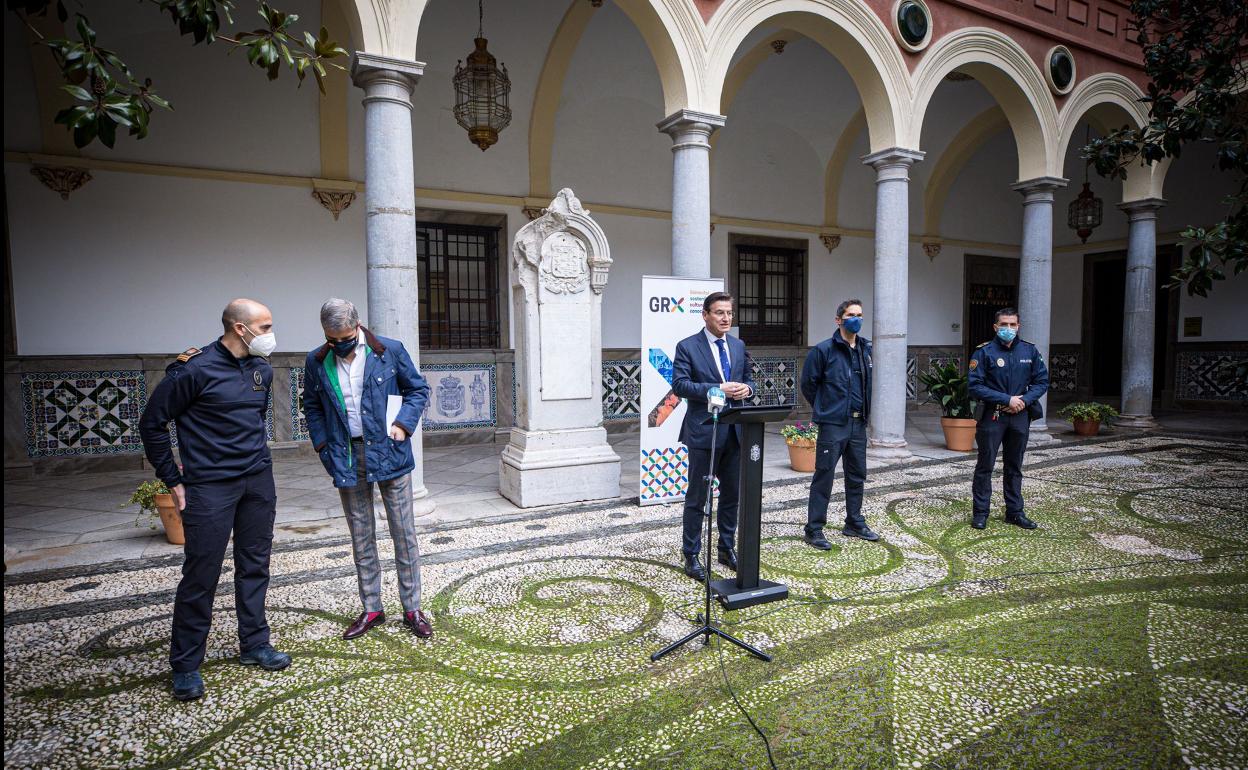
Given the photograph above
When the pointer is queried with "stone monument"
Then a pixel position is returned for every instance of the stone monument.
(558, 451)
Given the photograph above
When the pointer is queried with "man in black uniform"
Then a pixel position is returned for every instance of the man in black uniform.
(217, 397)
(1008, 377)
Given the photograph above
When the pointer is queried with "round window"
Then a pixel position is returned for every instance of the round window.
(912, 22)
(1061, 69)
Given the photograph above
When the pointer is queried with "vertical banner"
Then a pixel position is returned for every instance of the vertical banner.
(671, 310)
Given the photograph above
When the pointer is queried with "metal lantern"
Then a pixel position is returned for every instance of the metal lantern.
(1084, 214)
(482, 89)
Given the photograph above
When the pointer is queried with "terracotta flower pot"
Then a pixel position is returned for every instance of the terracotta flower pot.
(801, 455)
(1087, 427)
(170, 518)
(959, 433)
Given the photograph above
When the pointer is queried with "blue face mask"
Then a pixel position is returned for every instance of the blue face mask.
(852, 324)
(1006, 334)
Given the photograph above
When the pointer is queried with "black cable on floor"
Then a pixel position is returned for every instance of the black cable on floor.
(741, 707)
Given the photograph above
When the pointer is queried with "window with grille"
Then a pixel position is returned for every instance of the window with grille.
(458, 286)
(771, 307)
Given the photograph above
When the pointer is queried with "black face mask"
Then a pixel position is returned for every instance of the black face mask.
(344, 348)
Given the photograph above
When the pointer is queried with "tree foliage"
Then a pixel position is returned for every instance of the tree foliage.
(1194, 56)
(106, 94)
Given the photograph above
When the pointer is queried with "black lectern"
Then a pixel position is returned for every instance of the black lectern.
(746, 589)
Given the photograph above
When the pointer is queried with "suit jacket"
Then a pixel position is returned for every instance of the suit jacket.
(694, 372)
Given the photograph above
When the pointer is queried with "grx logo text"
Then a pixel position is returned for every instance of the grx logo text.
(667, 305)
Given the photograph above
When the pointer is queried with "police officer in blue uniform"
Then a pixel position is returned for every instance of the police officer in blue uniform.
(1008, 377)
(217, 398)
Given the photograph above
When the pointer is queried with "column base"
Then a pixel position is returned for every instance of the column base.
(548, 467)
(1136, 422)
(1040, 437)
(422, 503)
(888, 451)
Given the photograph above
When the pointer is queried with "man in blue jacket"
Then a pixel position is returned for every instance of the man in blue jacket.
(709, 359)
(1008, 377)
(836, 381)
(349, 384)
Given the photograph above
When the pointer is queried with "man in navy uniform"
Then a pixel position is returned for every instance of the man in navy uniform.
(709, 359)
(1008, 377)
(217, 398)
(836, 381)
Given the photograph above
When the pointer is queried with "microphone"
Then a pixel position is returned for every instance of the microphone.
(715, 399)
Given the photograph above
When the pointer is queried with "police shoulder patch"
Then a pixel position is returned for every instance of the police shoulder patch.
(188, 354)
(974, 363)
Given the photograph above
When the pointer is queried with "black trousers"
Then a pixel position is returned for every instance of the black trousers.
(728, 471)
(246, 506)
(846, 442)
(1010, 430)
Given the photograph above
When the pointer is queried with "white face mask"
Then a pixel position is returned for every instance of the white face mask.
(261, 344)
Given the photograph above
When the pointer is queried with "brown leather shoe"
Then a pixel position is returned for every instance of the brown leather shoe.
(419, 623)
(363, 625)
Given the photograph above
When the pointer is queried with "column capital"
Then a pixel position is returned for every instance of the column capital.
(367, 68)
(1039, 189)
(893, 157)
(690, 128)
(1145, 208)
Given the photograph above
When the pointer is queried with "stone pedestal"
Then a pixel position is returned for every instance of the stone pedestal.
(1139, 316)
(1035, 282)
(691, 190)
(390, 223)
(891, 298)
(558, 451)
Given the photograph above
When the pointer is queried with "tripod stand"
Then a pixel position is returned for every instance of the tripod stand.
(708, 627)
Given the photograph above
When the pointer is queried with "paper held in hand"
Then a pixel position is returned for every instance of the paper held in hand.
(393, 405)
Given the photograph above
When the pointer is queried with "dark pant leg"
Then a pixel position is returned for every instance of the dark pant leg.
(695, 498)
(855, 463)
(988, 435)
(728, 471)
(206, 521)
(253, 543)
(828, 450)
(1017, 429)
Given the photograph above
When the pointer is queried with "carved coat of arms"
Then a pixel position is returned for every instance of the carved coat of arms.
(450, 396)
(565, 264)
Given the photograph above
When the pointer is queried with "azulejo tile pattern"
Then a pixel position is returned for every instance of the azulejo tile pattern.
(621, 390)
(664, 472)
(912, 378)
(1079, 645)
(1063, 372)
(775, 380)
(298, 424)
(83, 412)
(1202, 375)
(460, 396)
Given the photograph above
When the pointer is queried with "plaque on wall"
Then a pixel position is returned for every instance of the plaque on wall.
(1191, 326)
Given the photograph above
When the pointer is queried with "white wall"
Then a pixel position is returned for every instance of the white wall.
(21, 108)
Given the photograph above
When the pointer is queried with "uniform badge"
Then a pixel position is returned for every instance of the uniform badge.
(755, 453)
(259, 380)
(974, 362)
(188, 354)
(1000, 362)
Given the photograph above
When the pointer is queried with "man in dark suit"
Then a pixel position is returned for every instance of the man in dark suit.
(711, 358)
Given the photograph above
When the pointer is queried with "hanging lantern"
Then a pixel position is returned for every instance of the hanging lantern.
(1084, 214)
(482, 89)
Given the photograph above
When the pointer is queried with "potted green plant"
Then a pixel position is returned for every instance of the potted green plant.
(1087, 416)
(801, 438)
(156, 503)
(947, 387)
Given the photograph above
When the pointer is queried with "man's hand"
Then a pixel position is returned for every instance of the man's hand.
(736, 390)
(397, 433)
(1016, 405)
(179, 496)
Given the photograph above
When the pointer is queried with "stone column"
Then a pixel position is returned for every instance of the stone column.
(390, 223)
(1139, 316)
(1035, 285)
(691, 190)
(890, 300)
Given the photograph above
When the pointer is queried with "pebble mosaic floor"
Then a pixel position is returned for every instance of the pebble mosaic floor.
(1116, 635)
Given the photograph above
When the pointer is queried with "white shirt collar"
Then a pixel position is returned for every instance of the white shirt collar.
(711, 338)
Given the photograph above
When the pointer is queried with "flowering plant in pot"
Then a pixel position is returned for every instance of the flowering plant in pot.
(1087, 416)
(156, 504)
(947, 387)
(801, 438)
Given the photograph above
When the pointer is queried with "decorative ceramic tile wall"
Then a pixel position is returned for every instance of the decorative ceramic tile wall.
(775, 380)
(912, 378)
(461, 396)
(1200, 375)
(621, 390)
(1063, 372)
(298, 425)
(83, 412)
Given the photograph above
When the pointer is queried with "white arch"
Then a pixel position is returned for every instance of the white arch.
(1009, 74)
(848, 29)
(1101, 99)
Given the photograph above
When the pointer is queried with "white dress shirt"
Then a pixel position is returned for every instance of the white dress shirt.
(711, 340)
(351, 380)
